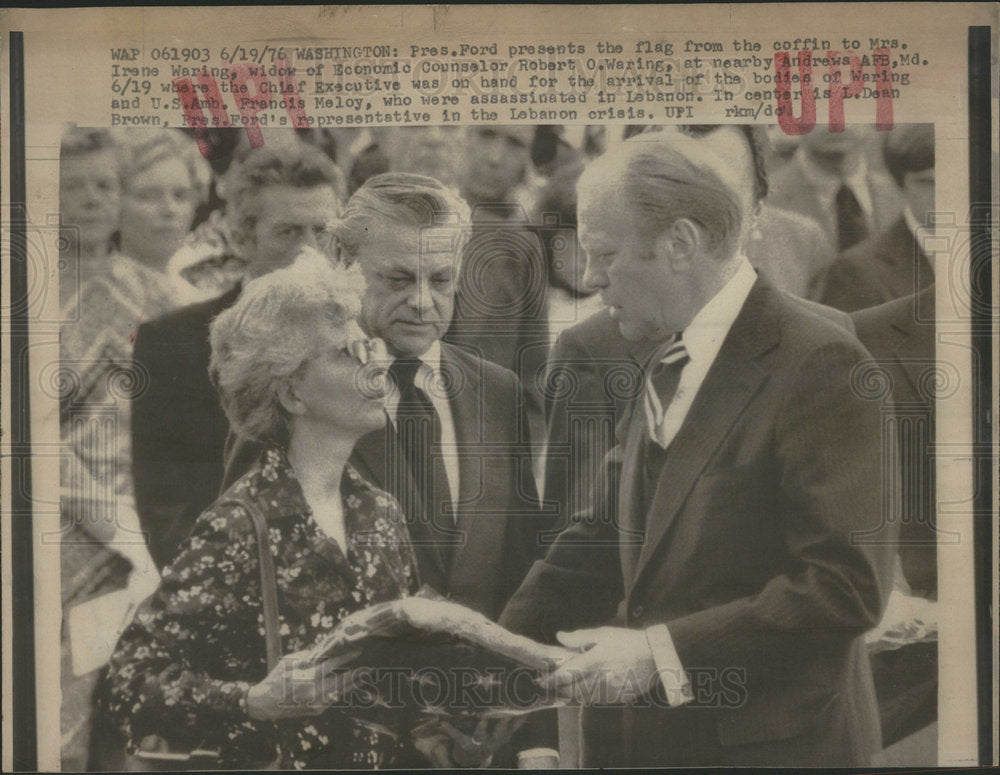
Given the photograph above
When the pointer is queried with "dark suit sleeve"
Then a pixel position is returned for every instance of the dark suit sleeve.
(847, 287)
(526, 524)
(828, 450)
(574, 451)
(578, 584)
(566, 365)
(176, 460)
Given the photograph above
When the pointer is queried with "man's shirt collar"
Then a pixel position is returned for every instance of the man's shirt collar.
(705, 333)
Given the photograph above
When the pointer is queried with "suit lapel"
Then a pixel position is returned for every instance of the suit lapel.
(629, 506)
(466, 415)
(918, 337)
(480, 523)
(729, 385)
(910, 356)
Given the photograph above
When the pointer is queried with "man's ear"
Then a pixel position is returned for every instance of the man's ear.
(288, 398)
(680, 243)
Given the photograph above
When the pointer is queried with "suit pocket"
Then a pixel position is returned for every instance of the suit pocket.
(779, 715)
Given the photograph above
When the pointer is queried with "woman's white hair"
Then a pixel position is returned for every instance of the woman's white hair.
(277, 325)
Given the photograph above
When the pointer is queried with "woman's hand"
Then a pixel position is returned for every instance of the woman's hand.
(298, 686)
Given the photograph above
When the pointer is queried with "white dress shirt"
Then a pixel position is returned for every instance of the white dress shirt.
(430, 379)
(702, 339)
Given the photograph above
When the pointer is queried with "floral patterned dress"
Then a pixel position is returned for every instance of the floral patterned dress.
(183, 668)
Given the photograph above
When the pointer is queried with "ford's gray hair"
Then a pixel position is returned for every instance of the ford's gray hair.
(667, 176)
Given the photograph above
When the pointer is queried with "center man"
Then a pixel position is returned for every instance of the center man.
(469, 496)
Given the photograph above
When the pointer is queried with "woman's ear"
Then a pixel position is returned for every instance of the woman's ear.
(242, 239)
(288, 397)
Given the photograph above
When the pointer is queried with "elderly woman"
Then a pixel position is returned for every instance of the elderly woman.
(293, 370)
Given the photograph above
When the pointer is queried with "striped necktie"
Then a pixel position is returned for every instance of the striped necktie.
(664, 376)
(661, 385)
(852, 224)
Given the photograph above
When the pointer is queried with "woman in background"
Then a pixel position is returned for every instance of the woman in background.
(164, 179)
(126, 199)
(120, 204)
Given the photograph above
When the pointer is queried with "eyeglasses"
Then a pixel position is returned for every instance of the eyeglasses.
(373, 359)
(366, 351)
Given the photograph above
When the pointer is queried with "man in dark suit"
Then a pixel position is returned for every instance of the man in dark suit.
(473, 520)
(282, 200)
(500, 310)
(900, 336)
(727, 559)
(594, 371)
(892, 264)
(830, 180)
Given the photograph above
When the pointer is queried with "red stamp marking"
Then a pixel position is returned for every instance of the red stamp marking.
(856, 84)
(252, 92)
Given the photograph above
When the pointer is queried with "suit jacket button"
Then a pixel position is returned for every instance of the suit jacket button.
(638, 611)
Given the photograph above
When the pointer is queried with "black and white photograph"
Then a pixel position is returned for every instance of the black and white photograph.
(634, 442)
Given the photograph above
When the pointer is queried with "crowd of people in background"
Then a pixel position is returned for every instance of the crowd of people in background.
(158, 242)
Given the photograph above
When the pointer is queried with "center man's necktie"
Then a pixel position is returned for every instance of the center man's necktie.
(661, 386)
(852, 225)
(418, 428)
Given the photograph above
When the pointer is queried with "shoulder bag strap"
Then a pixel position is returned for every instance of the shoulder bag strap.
(268, 583)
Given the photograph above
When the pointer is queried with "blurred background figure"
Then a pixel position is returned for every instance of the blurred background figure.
(111, 196)
(500, 311)
(904, 647)
(423, 150)
(89, 208)
(164, 180)
(208, 262)
(785, 247)
(494, 161)
(280, 200)
(831, 180)
(553, 148)
(894, 263)
(420, 150)
(569, 300)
